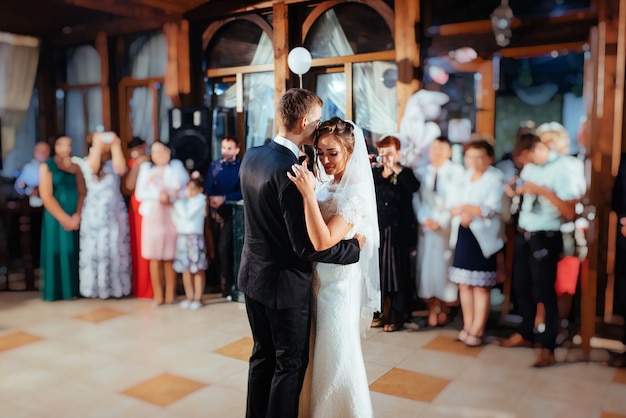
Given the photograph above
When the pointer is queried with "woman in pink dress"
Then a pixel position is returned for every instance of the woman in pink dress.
(159, 184)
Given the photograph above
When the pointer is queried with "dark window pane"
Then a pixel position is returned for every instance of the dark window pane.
(348, 29)
(235, 45)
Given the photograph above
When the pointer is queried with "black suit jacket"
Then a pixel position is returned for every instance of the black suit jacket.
(275, 267)
(618, 205)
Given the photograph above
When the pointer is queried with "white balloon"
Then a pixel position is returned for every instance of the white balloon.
(299, 60)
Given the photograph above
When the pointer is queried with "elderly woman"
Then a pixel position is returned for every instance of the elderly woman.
(476, 231)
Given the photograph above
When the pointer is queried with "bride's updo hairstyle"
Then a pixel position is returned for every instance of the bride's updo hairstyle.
(340, 129)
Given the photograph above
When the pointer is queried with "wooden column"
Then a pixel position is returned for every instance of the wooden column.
(177, 73)
(103, 50)
(47, 117)
(281, 51)
(407, 15)
(605, 92)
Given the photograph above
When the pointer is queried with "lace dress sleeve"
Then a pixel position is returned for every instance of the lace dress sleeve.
(350, 207)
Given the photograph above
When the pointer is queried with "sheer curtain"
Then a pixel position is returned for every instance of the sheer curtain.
(374, 103)
(149, 59)
(18, 68)
(25, 138)
(258, 100)
(83, 67)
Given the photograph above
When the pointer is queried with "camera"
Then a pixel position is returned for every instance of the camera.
(378, 159)
(518, 182)
(107, 137)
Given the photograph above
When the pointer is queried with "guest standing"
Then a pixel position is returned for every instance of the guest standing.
(141, 285)
(27, 183)
(395, 186)
(62, 190)
(222, 185)
(550, 192)
(189, 214)
(441, 182)
(477, 233)
(105, 267)
(159, 184)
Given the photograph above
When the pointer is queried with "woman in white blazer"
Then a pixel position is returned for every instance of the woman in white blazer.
(477, 236)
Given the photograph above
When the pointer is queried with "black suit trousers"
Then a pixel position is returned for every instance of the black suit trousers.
(534, 274)
(279, 359)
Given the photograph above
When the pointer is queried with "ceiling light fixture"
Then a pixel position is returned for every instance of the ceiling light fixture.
(501, 19)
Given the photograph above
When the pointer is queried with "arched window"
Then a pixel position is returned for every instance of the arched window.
(144, 101)
(79, 100)
(239, 62)
(356, 75)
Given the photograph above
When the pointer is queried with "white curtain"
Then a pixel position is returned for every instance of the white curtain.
(25, 138)
(18, 68)
(83, 67)
(375, 105)
(149, 59)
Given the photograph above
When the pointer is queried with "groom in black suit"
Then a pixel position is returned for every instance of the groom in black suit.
(276, 270)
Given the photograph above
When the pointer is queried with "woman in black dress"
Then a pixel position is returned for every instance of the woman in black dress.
(395, 186)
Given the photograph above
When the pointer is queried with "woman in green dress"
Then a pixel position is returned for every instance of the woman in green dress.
(62, 190)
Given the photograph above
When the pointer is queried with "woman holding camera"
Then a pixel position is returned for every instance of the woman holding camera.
(395, 186)
(105, 266)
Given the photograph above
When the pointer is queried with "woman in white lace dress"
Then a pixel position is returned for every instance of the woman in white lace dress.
(345, 297)
(104, 262)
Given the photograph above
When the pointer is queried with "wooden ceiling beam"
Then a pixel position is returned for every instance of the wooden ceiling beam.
(125, 8)
(87, 32)
(529, 34)
(169, 6)
(484, 26)
(220, 8)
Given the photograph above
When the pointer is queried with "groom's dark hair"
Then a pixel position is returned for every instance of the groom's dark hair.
(296, 104)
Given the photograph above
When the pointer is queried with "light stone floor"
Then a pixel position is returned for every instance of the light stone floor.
(124, 358)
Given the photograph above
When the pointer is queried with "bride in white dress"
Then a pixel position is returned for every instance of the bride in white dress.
(346, 296)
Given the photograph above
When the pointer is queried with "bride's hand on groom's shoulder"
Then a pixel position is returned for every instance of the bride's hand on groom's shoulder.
(361, 239)
(302, 178)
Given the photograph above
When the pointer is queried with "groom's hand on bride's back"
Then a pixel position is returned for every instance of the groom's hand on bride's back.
(361, 239)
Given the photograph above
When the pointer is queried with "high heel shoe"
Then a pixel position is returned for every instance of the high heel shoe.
(462, 336)
(473, 341)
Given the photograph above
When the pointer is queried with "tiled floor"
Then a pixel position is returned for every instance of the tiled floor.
(124, 358)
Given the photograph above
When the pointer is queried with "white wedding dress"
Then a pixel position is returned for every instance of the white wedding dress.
(339, 386)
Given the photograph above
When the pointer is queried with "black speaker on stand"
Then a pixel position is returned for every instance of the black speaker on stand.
(190, 137)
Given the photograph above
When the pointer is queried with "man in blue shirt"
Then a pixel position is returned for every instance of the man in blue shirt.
(221, 186)
(549, 184)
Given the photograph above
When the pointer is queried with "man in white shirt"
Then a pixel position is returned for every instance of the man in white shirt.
(441, 179)
(27, 182)
(550, 189)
